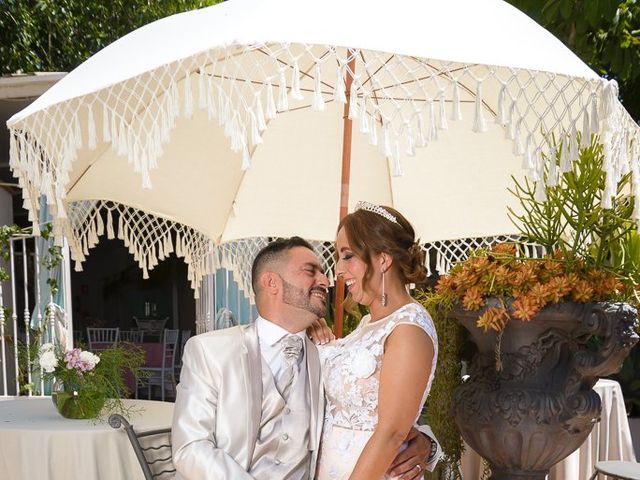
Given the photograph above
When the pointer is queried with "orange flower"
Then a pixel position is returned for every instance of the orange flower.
(493, 318)
(525, 308)
(559, 287)
(472, 299)
(582, 291)
(507, 248)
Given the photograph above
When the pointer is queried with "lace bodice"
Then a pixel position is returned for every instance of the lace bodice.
(351, 368)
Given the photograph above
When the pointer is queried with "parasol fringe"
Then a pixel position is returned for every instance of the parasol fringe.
(501, 117)
(443, 125)
(257, 100)
(411, 149)
(271, 105)
(339, 87)
(203, 90)
(456, 112)
(422, 141)
(283, 99)
(353, 101)
(110, 232)
(565, 159)
(479, 122)
(318, 100)
(188, 97)
(106, 133)
(91, 128)
(432, 134)
(296, 94)
(585, 140)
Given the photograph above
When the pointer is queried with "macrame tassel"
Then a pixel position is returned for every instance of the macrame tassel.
(169, 247)
(501, 117)
(77, 132)
(271, 104)
(479, 122)
(511, 122)
(411, 150)
(518, 147)
(595, 119)
(585, 140)
(121, 235)
(318, 100)
(202, 88)
(114, 131)
(456, 112)
(422, 141)
(188, 96)
(256, 139)
(565, 156)
(296, 94)
(339, 88)
(257, 101)
(364, 122)
(61, 211)
(178, 245)
(91, 129)
(527, 159)
(443, 125)
(373, 134)
(427, 261)
(283, 99)
(99, 224)
(211, 106)
(573, 146)
(433, 128)
(552, 179)
(222, 107)
(353, 102)
(110, 232)
(541, 192)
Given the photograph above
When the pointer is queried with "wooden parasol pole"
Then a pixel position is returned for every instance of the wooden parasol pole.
(344, 187)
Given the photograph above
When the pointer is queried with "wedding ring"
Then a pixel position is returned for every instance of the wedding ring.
(418, 467)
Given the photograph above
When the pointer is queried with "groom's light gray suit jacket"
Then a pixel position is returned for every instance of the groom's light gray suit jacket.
(218, 407)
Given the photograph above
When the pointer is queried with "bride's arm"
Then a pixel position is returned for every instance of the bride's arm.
(406, 367)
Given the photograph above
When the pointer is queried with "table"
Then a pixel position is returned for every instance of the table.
(610, 439)
(37, 443)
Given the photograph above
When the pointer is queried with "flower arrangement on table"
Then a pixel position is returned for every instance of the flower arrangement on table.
(84, 382)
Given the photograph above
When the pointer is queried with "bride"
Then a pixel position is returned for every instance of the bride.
(378, 377)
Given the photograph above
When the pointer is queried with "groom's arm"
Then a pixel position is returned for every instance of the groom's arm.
(196, 455)
(422, 449)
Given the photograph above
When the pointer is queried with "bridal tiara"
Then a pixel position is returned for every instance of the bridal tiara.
(377, 209)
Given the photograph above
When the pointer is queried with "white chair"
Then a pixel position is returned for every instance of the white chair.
(164, 374)
(102, 338)
(131, 336)
(617, 469)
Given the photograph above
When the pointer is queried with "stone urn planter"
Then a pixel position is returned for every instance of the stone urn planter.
(540, 406)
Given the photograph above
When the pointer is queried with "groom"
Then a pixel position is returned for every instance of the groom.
(250, 403)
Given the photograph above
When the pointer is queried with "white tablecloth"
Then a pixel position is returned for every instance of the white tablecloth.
(36, 443)
(610, 439)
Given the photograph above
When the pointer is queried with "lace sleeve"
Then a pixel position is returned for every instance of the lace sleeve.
(415, 314)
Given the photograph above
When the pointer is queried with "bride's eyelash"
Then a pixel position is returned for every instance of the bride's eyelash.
(347, 256)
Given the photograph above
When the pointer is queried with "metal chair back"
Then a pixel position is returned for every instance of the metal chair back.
(132, 336)
(102, 338)
(152, 449)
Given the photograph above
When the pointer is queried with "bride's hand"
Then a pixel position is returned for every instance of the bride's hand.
(320, 333)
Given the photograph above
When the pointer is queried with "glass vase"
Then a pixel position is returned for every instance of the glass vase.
(77, 403)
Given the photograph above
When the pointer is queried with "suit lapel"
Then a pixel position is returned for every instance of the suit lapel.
(251, 364)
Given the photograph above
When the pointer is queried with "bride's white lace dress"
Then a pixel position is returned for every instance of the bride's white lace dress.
(351, 374)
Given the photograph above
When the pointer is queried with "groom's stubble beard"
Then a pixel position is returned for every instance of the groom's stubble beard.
(299, 298)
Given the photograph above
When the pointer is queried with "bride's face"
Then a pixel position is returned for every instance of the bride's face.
(352, 269)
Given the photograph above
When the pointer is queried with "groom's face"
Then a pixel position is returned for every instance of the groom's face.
(305, 285)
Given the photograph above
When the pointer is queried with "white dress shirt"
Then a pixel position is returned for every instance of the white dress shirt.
(269, 334)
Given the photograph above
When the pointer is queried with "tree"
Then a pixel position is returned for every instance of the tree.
(58, 35)
(605, 34)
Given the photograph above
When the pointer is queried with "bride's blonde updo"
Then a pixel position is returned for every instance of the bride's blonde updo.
(370, 233)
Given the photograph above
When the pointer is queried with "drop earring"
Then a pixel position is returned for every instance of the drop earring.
(383, 297)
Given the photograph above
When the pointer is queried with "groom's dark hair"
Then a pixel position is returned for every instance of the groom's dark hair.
(274, 252)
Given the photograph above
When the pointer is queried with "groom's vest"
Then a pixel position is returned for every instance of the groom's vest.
(282, 448)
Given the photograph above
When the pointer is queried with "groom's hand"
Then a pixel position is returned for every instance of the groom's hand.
(410, 463)
(320, 333)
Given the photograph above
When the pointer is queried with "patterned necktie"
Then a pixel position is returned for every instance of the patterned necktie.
(291, 350)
